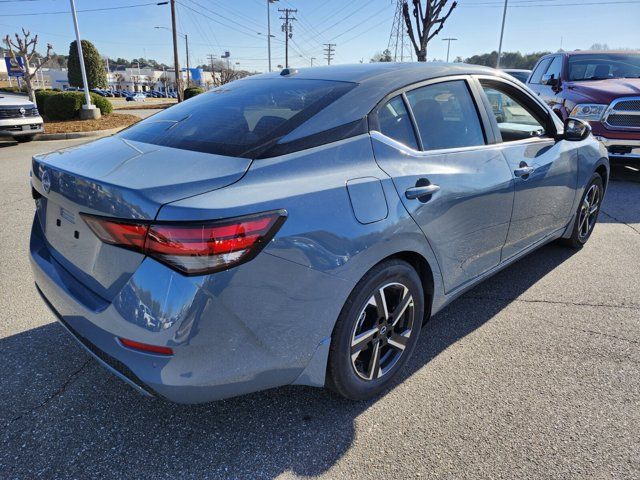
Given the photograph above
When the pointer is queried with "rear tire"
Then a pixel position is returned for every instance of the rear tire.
(376, 331)
(587, 213)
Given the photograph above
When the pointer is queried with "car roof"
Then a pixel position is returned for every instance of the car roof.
(392, 75)
(597, 52)
(374, 81)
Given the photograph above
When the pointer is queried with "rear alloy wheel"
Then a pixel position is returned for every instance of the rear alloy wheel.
(587, 214)
(377, 330)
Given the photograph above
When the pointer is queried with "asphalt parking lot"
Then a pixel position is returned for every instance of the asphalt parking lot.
(533, 374)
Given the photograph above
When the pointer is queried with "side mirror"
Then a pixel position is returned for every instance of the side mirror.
(550, 79)
(576, 130)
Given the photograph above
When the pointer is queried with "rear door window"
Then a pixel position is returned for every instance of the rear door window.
(446, 116)
(394, 122)
(239, 119)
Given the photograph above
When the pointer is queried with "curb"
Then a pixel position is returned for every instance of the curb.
(71, 135)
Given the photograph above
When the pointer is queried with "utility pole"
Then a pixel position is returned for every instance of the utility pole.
(88, 110)
(449, 40)
(210, 57)
(269, 2)
(287, 28)
(176, 64)
(504, 17)
(329, 51)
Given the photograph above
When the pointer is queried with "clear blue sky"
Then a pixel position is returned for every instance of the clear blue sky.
(358, 27)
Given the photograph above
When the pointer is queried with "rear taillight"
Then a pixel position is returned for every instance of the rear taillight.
(192, 248)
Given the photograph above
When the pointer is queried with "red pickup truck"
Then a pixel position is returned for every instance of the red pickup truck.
(602, 88)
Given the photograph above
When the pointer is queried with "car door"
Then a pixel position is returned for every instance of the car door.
(536, 75)
(550, 85)
(544, 170)
(430, 140)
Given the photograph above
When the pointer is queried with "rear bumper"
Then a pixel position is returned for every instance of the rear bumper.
(232, 333)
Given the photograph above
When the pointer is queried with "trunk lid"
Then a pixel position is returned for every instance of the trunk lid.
(118, 178)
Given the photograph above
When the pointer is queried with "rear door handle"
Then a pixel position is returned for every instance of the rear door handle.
(417, 192)
(523, 171)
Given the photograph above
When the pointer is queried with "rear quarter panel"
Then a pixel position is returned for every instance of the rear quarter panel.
(322, 231)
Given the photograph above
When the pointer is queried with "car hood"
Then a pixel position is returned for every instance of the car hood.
(15, 101)
(605, 91)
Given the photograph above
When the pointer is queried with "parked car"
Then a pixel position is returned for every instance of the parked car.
(298, 228)
(19, 118)
(136, 97)
(602, 88)
(518, 73)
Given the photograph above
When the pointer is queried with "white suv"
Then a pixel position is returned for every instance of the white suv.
(19, 118)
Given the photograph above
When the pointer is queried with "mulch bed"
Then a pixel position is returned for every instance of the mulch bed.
(143, 106)
(113, 120)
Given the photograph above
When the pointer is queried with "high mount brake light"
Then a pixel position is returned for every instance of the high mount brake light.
(192, 248)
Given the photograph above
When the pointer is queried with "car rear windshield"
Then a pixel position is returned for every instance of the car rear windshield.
(239, 119)
(600, 66)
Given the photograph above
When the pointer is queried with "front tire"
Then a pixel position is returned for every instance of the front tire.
(587, 214)
(24, 138)
(376, 331)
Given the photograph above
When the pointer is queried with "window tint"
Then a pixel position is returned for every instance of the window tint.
(394, 122)
(598, 66)
(536, 76)
(239, 119)
(446, 116)
(516, 121)
(555, 67)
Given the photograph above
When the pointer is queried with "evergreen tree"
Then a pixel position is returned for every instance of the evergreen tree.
(96, 73)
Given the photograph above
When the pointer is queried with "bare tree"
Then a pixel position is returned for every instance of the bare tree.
(25, 47)
(429, 20)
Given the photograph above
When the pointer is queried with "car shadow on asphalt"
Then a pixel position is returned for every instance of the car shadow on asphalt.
(83, 422)
(8, 143)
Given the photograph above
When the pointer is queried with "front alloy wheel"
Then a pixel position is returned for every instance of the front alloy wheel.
(376, 331)
(589, 212)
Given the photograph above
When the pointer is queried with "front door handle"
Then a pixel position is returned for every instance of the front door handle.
(523, 171)
(422, 191)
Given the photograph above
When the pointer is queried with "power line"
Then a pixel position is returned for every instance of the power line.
(66, 12)
(500, 5)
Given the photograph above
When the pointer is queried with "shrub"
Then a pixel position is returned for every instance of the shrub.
(41, 96)
(67, 105)
(63, 106)
(192, 92)
(102, 103)
(14, 89)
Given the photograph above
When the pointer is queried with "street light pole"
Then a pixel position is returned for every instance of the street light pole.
(504, 17)
(312, 59)
(176, 64)
(88, 110)
(269, 2)
(186, 42)
(449, 40)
